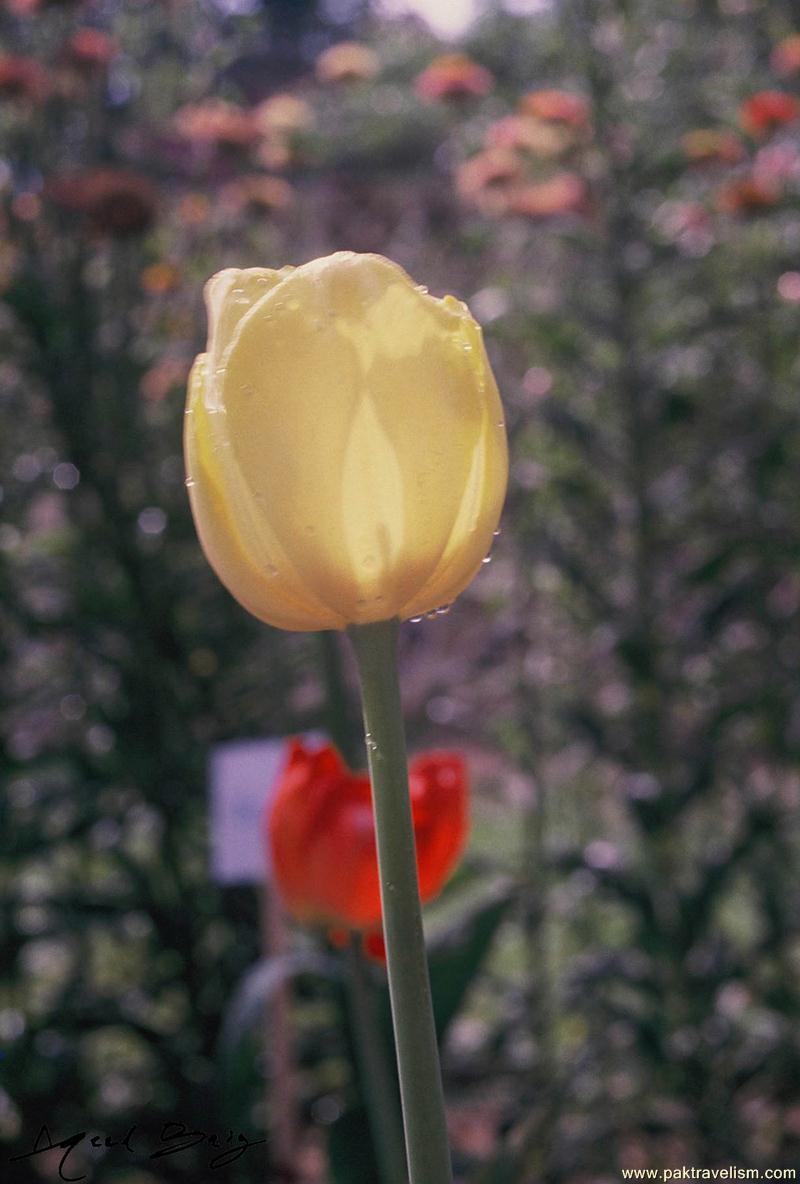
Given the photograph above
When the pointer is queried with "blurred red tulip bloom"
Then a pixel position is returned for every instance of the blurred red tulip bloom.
(349, 61)
(91, 49)
(453, 76)
(23, 78)
(564, 193)
(117, 203)
(556, 106)
(767, 110)
(747, 195)
(487, 180)
(320, 831)
(785, 57)
(216, 122)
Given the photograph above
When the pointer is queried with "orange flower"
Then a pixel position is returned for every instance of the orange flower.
(707, 145)
(453, 76)
(785, 57)
(522, 133)
(349, 61)
(320, 832)
(564, 193)
(283, 114)
(157, 279)
(767, 110)
(556, 106)
(747, 195)
(91, 49)
(486, 180)
(258, 192)
(215, 121)
(23, 78)
(117, 203)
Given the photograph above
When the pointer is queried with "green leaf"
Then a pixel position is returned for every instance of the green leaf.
(350, 1154)
(456, 955)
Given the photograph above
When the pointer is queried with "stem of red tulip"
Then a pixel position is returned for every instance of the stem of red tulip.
(378, 1085)
(420, 1075)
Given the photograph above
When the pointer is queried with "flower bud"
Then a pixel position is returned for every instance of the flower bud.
(345, 444)
(320, 832)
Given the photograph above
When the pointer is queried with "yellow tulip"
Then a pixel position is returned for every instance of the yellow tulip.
(345, 445)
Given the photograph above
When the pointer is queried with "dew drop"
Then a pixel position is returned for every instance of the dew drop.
(501, 423)
(189, 482)
(467, 348)
(488, 559)
(415, 620)
(431, 616)
(421, 288)
(372, 744)
(497, 532)
(189, 411)
(240, 296)
(443, 610)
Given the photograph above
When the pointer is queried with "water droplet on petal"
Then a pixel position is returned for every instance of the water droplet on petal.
(488, 559)
(467, 347)
(443, 610)
(497, 532)
(189, 482)
(415, 620)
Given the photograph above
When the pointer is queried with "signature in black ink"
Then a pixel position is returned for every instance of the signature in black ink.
(175, 1138)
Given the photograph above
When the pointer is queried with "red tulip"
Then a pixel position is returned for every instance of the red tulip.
(767, 110)
(453, 76)
(785, 57)
(320, 831)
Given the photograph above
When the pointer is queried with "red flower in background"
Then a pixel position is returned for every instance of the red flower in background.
(785, 58)
(91, 49)
(23, 78)
(321, 833)
(767, 110)
(349, 61)
(747, 195)
(564, 193)
(556, 106)
(453, 76)
(117, 203)
(216, 122)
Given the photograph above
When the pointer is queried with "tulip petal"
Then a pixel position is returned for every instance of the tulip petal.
(249, 563)
(357, 413)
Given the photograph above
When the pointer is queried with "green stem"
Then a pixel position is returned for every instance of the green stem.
(378, 1086)
(409, 987)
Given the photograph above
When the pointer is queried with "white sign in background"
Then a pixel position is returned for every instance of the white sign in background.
(243, 776)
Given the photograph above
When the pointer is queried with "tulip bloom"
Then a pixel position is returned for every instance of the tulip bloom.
(768, 110)
(320, 830)
(345, 443)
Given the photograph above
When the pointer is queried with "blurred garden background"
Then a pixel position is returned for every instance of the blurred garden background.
(614, 188)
